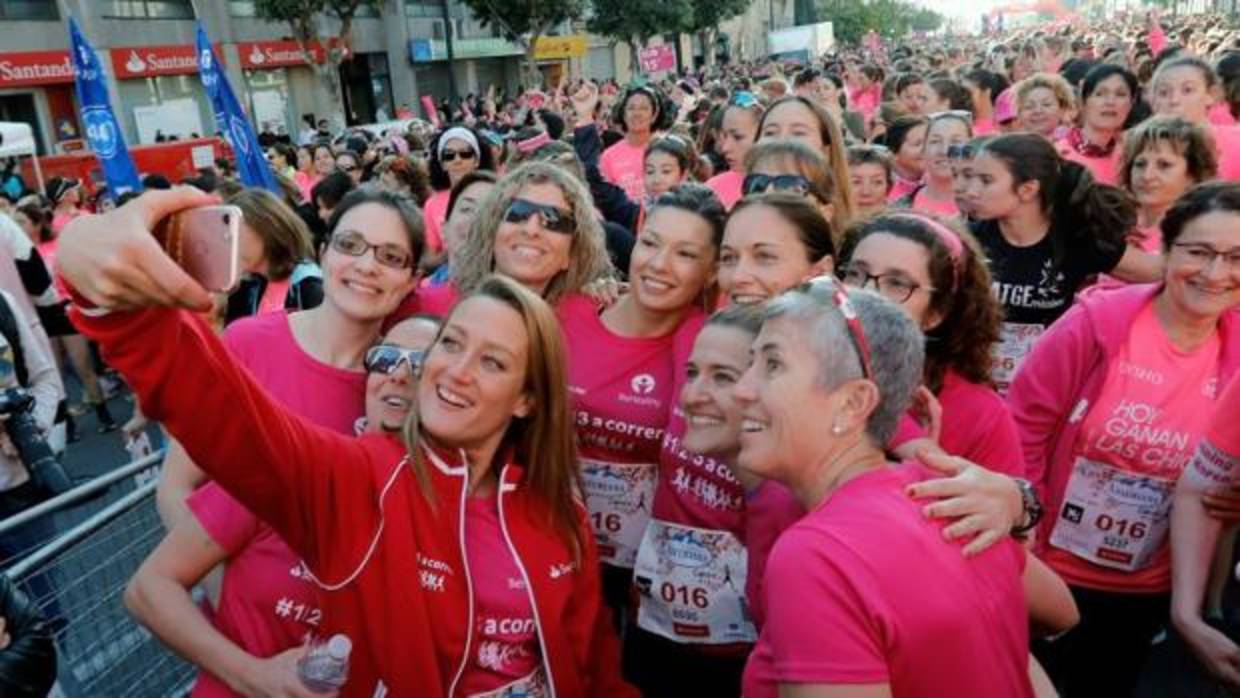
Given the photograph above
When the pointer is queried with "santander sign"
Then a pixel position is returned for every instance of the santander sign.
(265, 55)
(141, 62)
(35, 68)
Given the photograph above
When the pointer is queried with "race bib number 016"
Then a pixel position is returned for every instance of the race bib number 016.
(1015, 342)
(692, 585)
(1113, 518)
(618, 497)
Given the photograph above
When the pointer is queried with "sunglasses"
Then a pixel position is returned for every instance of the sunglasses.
(758, 183)
(553, 218)
(450, 155)
(961, 152)
(387, 358)
(354, 245)
(743, 99)
(963, 115)
(824, 289)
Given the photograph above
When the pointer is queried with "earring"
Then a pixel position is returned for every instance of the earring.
(837, 429)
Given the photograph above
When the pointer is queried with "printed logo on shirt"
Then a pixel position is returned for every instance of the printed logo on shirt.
(1209, 389)
(1141, 373)
(562, 569)
(643, 384)
(300, 571)
(432, 573)
(431, 581)
(1133, 431)
(1052, 278)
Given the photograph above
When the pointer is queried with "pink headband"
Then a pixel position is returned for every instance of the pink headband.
(533, 143)
(950, 239)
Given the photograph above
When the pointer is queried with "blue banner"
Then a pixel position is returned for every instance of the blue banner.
(252, 163)
(98, 121)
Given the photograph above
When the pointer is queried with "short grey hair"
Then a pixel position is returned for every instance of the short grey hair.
(897, 349)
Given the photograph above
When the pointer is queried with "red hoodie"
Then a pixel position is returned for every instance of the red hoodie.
(392, 563)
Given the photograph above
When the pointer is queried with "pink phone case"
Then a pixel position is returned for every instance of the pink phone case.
(205, 242)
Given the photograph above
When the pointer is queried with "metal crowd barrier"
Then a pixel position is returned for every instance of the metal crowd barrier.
(78, 580)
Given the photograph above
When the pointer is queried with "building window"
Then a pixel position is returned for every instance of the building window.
(242, 8)
(148, 9)
(419, 9)
(28, 9)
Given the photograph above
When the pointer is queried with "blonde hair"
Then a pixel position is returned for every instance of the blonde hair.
(1055, 83)
(475, 261)
(543, 442)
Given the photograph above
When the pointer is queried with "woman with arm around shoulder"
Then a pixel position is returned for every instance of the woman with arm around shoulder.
(1110, 406)
(816, 407)
(405, 535)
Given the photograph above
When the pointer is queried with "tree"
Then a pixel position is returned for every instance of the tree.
(706, 17)
(524, 21)
(304, 18)
(892, 19)
(636, 21)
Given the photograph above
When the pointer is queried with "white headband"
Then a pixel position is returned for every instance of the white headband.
(460, 133)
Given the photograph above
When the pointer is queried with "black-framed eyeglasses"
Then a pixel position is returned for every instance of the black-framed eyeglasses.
(758, 183)
(1201, 255)
(961, 152)
(450, 155)
(354, 245)
(896, 288)
(825, 289)
(387, 358)
(553, 218)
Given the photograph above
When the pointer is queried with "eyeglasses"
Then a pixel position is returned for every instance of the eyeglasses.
(553, 218)
(387, 358)
(758, 183)
(894, 287)
(961, 152)
(1201, 256)
(450, 155)
(743, 99)
(354, 245)
(824, 289)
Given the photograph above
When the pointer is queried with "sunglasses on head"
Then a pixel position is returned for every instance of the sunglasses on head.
(553, 218)
(827, 290)
(450, 155)
(758, 183)
(387, 358)
(961, 152)
(743, 99)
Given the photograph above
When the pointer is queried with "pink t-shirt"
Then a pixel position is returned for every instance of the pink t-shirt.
(1225, 428)
(864, 590)
(305, 184)
(864, 100)
(978, 426)
(727, 186)
(1220, 114)
(984, 127)
(505, 651)
(901, 188)
(770, 509)
(435, 212)
(1227, 140)
(62, 218)
(1134, 442)
(621, 389)
(267, 601)
(1217, 461)
(623, 165)
(326, 395)
(274, 295)
(942, 207)
(1104, 169)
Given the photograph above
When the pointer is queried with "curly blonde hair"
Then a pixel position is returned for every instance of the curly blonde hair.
(589, 260)
(1064, 94)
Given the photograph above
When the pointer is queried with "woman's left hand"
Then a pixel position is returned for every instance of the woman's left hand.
(984, 504)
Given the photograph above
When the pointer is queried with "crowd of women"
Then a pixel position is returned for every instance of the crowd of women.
(905, 372)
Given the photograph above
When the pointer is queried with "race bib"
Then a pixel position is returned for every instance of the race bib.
(532, 686)
(618, 497)
(1113, 518)
(692, 584)
(1015, 342)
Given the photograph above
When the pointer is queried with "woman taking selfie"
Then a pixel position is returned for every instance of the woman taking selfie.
(478, 489)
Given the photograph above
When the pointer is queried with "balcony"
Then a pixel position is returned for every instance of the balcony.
(428, 50)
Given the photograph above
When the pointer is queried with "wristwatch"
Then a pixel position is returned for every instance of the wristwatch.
(1031, 505)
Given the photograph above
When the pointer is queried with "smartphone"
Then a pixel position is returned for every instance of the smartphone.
(205, 242)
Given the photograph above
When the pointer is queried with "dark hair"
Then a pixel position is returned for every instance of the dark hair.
(1228, 70)
(286, 151)
(971, 315)
(898, 130)
(813, 230)
(699, 200)
(332, 189)
(992, 82)
(1083, 212)
(314, 153)
(664, 108)
(156, 181)
(1209, 197)
(1104, 71)
(401, 204)
(466, 182)
(409, 172)
(805, 77)
(678, 147)
(903, 81)
(838, 81)
(957, 97)
(1074, 70)
(865, 154)
(39, 218)
(1185, 61)
(554, 123)
(439, 176)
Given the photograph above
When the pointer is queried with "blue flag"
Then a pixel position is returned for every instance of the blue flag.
(102, 131)
(229, 119)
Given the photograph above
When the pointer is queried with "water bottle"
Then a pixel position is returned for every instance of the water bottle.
(325, 667)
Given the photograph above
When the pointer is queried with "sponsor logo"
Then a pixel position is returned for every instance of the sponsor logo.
(643, 384)
(100, 131)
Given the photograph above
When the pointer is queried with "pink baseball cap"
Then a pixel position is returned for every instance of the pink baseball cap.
(1005, 106)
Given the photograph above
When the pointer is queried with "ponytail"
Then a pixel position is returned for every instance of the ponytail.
(1088, 213)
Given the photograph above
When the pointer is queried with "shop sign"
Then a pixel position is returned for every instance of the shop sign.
(35, 68)
(145, 61)
(548, 48)
(266, 55)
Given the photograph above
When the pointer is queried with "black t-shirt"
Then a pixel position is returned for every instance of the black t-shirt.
(1030, 286)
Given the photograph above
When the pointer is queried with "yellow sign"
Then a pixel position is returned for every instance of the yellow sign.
(555, 47)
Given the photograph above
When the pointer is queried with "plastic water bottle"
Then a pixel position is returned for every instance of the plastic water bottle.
(325, 667)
